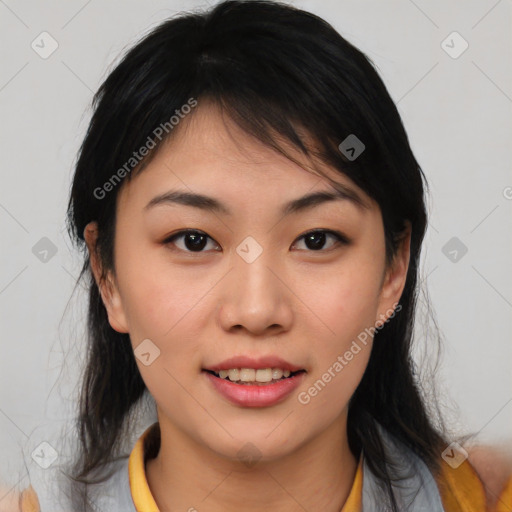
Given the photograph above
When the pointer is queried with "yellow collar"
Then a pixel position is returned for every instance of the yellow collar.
(144, 501)
(141, 495)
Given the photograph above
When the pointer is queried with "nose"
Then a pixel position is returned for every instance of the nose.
(255, 298)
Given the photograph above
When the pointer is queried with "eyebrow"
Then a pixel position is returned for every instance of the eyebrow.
(300, 204)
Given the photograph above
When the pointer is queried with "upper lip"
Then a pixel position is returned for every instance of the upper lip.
(262, 362)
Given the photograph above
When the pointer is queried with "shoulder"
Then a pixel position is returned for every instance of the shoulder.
(481, 482)
(25, 501)
(112, 493)
(494, 467)
(29, 501)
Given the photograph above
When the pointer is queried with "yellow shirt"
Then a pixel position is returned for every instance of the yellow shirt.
(461, 489)
(144, 501)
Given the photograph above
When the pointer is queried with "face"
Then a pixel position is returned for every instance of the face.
(199, 282)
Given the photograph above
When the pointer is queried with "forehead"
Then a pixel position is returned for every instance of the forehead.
(209, 151)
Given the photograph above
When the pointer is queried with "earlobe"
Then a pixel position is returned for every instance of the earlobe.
(108, 289)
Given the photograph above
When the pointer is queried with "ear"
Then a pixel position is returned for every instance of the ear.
(106, 283)
(394, 278)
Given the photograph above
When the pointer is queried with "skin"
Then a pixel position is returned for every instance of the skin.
(303, 305)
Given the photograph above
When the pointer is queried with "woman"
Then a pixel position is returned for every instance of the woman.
(253, 217)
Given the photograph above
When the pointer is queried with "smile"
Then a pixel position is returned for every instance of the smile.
(246, 391)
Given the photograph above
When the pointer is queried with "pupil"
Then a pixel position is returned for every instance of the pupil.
(195, 241)
(317, 239)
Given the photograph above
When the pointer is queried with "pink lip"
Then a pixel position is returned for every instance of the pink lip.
(259, 363)
(248, 395)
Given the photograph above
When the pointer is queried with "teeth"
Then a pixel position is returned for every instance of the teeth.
(277, 373)
(264, 375)
(234, 374)
(247, 375)
(252, 375)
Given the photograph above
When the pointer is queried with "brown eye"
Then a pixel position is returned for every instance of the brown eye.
(316, 240)
(190, 240)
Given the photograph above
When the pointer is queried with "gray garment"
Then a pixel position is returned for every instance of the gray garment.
(415, 492)
(114, 495)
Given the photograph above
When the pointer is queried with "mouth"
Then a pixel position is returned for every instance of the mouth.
(250, 387)
(254, 377)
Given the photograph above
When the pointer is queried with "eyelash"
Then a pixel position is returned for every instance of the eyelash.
(340, 238)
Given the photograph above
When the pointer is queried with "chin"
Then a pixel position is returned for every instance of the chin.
(256, 447)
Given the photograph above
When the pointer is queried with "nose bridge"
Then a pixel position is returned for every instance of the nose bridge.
(255, 298)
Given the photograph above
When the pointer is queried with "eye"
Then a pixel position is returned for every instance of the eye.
(190, 240)
(316, 240)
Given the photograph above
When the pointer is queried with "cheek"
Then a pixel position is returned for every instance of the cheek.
(157, 298)
(345, 299)
(168, 311)
(347, 302)
(325, 400)
(341, 354)
(168, 308)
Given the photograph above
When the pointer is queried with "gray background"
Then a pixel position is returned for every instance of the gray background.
(457, 112)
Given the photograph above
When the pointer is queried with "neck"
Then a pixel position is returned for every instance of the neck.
(186, 475)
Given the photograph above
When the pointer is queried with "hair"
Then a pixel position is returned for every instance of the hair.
(286, 77)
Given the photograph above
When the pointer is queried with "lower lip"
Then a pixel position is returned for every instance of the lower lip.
(248, 395)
